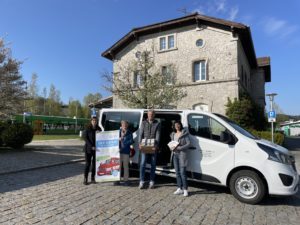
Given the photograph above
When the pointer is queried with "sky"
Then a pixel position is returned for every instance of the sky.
(62, 40)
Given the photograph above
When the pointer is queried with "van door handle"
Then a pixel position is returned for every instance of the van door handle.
(192, 148)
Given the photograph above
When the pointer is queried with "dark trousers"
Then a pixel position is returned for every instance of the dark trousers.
(90, 158)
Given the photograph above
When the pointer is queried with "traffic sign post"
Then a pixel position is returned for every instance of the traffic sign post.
(272, 119)
(272, 114)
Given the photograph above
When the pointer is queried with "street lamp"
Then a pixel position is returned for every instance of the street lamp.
(75, 118)
(25, 96)
(272, 114)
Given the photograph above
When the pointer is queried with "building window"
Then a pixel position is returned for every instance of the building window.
(162, 43)
(167, 72)
(199, 72)
(167, 42)
(171, 41)
(137, 79)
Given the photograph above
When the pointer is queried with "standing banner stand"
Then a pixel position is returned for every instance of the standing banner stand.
(107, 156)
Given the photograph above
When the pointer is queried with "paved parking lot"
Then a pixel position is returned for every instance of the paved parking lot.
(40, 154)
(56, 195)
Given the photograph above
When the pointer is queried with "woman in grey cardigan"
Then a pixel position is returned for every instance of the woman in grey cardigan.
(179, 157)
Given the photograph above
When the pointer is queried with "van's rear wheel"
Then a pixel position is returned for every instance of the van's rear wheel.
(247, 186)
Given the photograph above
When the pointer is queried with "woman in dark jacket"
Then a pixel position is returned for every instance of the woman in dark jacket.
(179, 157)
(90, 149)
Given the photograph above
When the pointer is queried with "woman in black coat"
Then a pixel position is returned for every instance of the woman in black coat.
(90, 149)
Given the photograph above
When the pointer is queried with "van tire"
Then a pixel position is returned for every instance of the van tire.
(247, 186)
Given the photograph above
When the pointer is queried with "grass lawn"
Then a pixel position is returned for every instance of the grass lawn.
(54, 137)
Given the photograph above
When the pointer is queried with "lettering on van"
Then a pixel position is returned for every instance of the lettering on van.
(207, 153)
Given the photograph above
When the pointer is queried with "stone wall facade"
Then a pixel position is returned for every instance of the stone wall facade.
(221, 52)
(252, 81)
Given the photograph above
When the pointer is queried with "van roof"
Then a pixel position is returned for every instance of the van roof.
(145, 110)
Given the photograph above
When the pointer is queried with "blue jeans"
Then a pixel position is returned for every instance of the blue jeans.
(180, 172)
(143, 166)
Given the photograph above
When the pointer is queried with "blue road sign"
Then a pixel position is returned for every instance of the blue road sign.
(272, 116)
(93, 112)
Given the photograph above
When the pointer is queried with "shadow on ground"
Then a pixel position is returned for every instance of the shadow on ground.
(20, 180)
(38, 156)
(204, 188)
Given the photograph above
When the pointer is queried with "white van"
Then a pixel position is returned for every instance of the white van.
(221, 152)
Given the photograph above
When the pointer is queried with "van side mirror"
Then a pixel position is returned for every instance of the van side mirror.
(227, 138)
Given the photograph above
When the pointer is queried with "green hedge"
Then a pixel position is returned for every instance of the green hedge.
(278, 137)
(17, 135)
(3, 127)
(61, 131)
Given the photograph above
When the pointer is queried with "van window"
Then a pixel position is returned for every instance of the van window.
(112, 120)
(205, 126)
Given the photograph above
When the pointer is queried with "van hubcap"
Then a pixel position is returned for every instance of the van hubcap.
(246, 187)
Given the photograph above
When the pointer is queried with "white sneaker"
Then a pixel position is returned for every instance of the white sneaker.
(141, 186)
(185, 193)
(151, 185)
(178, 192)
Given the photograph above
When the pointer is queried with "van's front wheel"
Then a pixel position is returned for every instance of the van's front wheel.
(247, 186)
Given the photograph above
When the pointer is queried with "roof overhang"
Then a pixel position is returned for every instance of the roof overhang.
(103, 103)
(242, 30)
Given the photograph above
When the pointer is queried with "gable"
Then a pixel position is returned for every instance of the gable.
(195, 19)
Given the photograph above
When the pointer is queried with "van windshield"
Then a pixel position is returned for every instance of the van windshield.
(237, 127)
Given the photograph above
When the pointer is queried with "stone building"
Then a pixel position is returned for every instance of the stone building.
(214, 58)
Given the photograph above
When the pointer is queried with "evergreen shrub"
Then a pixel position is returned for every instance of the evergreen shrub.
(3, 127)
(17, 135)
(278, 137)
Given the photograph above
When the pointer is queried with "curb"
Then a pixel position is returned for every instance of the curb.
(58, 140)
(42, 167)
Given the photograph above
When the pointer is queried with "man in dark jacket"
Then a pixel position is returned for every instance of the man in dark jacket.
(150, 129)
(90, 149)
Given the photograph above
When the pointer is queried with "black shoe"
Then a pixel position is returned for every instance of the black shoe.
(93, 181)
(85, 182)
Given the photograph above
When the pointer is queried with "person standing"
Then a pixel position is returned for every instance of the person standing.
(125, 140)
(150, 129)
(179, 157)
(90, 150)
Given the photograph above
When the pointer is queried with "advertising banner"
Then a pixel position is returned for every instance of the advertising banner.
(107, 156)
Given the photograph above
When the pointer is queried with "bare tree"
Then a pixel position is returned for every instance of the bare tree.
(33, 89)
(141, 85)
(54, 102)
(12, 85)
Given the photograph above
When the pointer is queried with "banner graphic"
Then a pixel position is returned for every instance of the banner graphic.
(107, 156)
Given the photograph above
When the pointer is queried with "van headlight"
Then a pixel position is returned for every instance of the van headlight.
(276, 155)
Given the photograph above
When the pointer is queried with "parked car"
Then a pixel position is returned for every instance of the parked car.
(107, 167)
